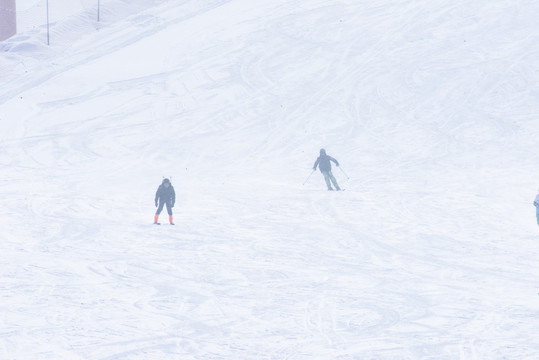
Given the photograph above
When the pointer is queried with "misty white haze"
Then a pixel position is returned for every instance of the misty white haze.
(430, 106)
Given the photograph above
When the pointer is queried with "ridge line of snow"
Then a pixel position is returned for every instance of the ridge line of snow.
(107, 44)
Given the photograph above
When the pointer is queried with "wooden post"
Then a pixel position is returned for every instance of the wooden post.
(8, 19)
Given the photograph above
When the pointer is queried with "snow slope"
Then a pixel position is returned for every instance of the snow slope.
(430, 253)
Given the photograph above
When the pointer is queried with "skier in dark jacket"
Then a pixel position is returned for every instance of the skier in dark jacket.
(165, 195)
(324, 164)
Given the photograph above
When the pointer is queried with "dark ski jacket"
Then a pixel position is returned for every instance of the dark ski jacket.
(324, 162)
(165, 195)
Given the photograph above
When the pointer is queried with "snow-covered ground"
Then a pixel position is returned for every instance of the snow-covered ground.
(430, 106)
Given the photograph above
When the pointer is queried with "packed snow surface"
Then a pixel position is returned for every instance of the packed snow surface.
(431, 252)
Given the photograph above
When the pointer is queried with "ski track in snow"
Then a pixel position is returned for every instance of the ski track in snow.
(430, 253)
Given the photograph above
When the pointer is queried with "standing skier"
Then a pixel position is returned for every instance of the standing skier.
(324, 164)
(165, 195)
(536, 203)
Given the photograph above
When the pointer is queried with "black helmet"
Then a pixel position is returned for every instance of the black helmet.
(322, 151)
(166, 181)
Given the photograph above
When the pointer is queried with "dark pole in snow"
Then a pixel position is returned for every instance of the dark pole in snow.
(348, 177)
(48, 42)
(98, 9)
(308, 177)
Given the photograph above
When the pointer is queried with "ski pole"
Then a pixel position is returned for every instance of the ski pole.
(308, 177)
(348, 177)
